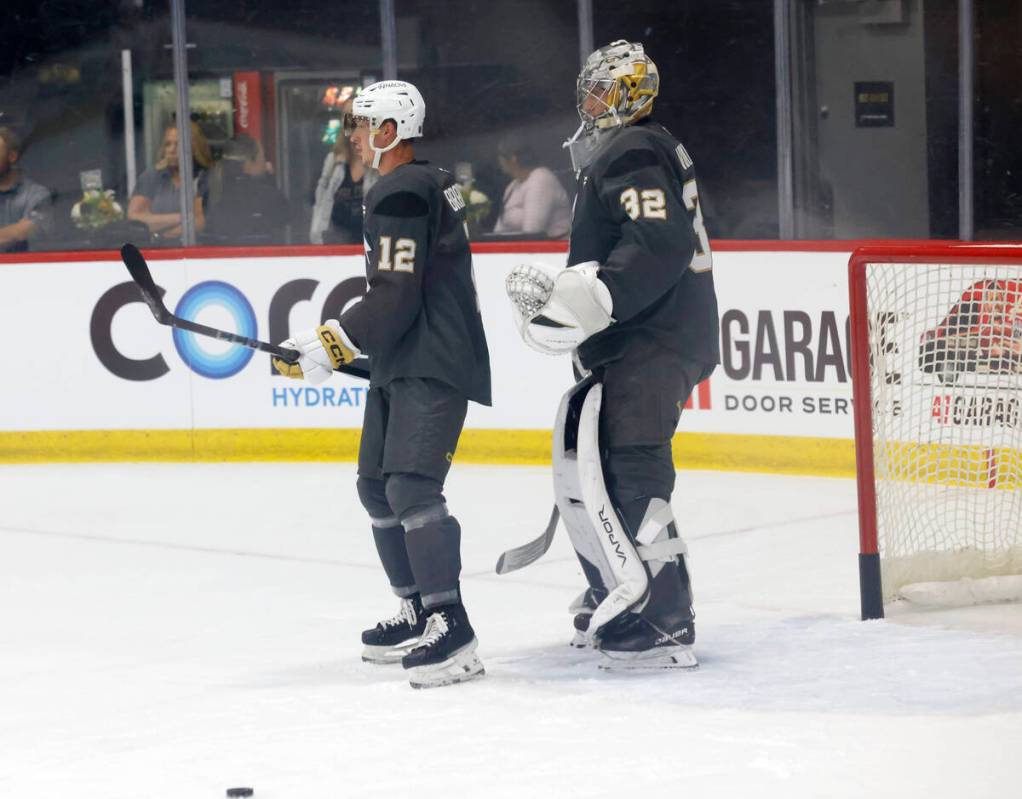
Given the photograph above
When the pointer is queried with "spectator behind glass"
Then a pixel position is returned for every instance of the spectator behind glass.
(337, 208)
(251, 209)
(534, 201)
(156, 200)
(24, 204)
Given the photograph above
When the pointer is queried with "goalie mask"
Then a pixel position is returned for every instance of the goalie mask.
(395, 100)
(616, 87)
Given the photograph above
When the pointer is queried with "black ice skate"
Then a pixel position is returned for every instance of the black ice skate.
(393, 638)
(661, 636)
(446, 652)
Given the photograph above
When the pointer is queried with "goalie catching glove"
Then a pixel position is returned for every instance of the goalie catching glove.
(322, 350)
(555, 310)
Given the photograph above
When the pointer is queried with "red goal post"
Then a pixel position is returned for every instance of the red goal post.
(936, 343)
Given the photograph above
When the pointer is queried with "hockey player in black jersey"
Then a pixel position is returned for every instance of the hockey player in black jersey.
(420, 326)
(637, 308)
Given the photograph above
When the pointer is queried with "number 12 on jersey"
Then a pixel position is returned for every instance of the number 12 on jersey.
(401, 251)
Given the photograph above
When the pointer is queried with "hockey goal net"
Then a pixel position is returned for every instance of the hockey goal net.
(937, 379)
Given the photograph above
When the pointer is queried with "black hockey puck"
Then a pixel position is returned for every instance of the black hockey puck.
(240, 792)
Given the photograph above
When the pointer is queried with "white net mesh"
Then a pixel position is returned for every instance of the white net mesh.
(946, 381)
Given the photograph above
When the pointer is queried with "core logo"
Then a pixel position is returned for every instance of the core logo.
(201, 354)
(199, 299)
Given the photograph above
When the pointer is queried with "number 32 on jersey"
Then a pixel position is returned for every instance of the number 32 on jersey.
(651, 204)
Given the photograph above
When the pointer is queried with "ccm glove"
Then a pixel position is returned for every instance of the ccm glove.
(322, 350)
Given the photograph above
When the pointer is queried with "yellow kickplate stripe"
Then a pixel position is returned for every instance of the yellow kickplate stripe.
(720, 451)
(829, 457)
(970, 466)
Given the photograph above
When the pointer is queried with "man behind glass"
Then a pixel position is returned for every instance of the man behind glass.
(24, 204)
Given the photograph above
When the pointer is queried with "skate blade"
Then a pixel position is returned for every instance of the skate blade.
(463, 667)
(579, 640)
(676, 657)
(386, 655)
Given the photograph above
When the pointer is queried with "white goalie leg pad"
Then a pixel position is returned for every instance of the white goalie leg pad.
(592, 523)
(568, 493)
(623, 560)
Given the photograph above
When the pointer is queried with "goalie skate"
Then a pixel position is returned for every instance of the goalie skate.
(661, 636)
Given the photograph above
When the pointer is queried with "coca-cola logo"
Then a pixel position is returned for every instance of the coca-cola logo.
(243, 105)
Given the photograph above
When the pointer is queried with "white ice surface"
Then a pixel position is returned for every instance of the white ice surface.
(174, 630)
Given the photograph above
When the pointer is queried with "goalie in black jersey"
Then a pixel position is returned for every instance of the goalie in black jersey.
(420, 326)
(637, 308)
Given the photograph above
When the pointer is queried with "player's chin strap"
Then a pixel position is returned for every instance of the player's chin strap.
(625, 566)
(379, 151)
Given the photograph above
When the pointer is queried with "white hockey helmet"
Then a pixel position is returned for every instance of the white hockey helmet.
(396, 100)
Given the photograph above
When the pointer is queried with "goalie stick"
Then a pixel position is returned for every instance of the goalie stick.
(522, 556)
(139, 270)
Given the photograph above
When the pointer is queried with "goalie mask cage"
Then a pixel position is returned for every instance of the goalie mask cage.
(937, 384)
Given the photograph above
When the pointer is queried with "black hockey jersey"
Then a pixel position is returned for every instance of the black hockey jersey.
(420, 317)
(637, 213)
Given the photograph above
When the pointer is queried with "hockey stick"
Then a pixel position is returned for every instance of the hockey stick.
(140, 273)
(522, 556)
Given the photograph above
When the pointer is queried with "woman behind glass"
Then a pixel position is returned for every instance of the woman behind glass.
(534, 201)
(156, 201)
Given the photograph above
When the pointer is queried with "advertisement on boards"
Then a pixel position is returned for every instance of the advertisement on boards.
(784, 347)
